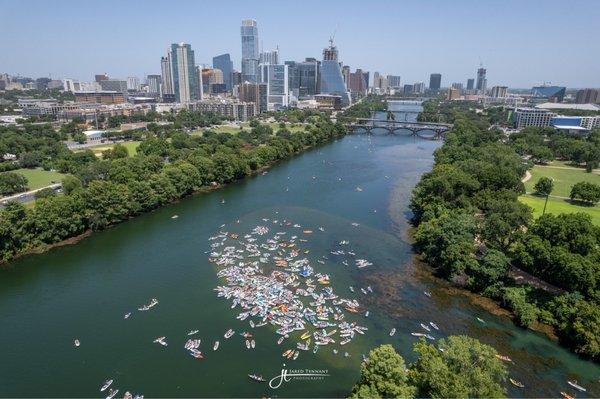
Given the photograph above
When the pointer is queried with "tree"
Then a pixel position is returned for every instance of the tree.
(11, 183)
(585, 192)
(79, 137)
(462, 367)
(45, 193)
(383, 375)
(584, 332)
(544, 186)
(70, 184)
(117, 152)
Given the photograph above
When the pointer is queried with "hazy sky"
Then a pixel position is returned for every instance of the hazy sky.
(521, 43)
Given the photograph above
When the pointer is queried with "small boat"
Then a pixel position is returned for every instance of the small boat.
(480, 320)
(112, 393)
(192, 332)
(127, 315)
(174, 216)
(197, 355)
(106, 385)
(216, 345)
(427, 293)
(223, 201)
(516, 383)
(76, 342)
(416, 334)
(253, 344)
(251, 324)
(566, 395)
(346, 354)
(335, 351)
(367, 314)
(296, 355)
(575, 385)
(425, 327)
(280, 340)
(505, 358)
(316, 348)
(160, 340)
(351, 289)
(392, 332)
(256, 377)
(304, 336)
(228, 333)
(127, 395)
(432, 324)
(429, 337)
(247, 344)
(287, 352)
(307, 231)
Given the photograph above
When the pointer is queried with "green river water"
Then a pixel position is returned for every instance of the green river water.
(82, 291)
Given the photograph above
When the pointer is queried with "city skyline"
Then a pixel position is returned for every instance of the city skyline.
(520, 55)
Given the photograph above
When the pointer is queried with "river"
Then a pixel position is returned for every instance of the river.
(83, 291)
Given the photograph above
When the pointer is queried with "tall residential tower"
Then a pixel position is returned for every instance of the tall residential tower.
(249, 32)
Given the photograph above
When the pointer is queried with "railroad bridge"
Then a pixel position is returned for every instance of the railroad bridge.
(424, 130)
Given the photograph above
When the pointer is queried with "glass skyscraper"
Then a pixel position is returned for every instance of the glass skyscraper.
(223, 62)
(186, 85)
(332, 81)
(250, 54)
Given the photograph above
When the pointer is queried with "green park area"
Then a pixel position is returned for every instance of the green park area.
(130, 145)
(564, 177)
(38, 178)
(246, 126)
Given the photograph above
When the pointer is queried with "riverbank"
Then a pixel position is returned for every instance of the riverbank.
(202, 190)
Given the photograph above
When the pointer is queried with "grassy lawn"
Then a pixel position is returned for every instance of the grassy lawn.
(558, 205)
(130, 145)
(38, 178)
(246, 126)
(563, 178)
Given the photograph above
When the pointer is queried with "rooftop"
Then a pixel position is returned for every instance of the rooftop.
(583, 107)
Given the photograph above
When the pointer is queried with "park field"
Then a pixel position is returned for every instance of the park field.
(38, 178)
(559, 205)
(246, 126)
(563, 176)
(130, 145)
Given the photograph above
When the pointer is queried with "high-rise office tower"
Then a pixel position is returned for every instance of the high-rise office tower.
(332, 81)
(435, 81)
(250, 56)
(309, 77)
(184, 76)
(224, 63)
(276, 78)
(154, 82)
(293, 77)
(393, 81)
(588, 96)
(470, 84)
(358, 82)
(499, 91)
(419, 88)
(133, 83)
(481, 80)
(269, 57)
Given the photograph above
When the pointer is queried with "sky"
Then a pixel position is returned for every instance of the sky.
(521, 43)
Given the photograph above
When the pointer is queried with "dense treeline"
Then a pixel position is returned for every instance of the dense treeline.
(546, 144)
(446, 112)
(462, 367)
(364, 108)
(473, 230)
(103, 192)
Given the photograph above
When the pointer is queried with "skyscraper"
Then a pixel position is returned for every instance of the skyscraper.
(393, 81)
(133, 83)
(223, 62)
(481, 80)
(186, 86)
(332, 81)
(309, 77)
(276, 77)
(154, 82)
(435, 81)
(249, 32)
(269, 57)
(167, 78)
(470, 84)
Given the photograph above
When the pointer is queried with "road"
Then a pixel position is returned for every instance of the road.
(27, 196)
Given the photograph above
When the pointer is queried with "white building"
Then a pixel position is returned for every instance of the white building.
(276, 78)
(525, 117)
